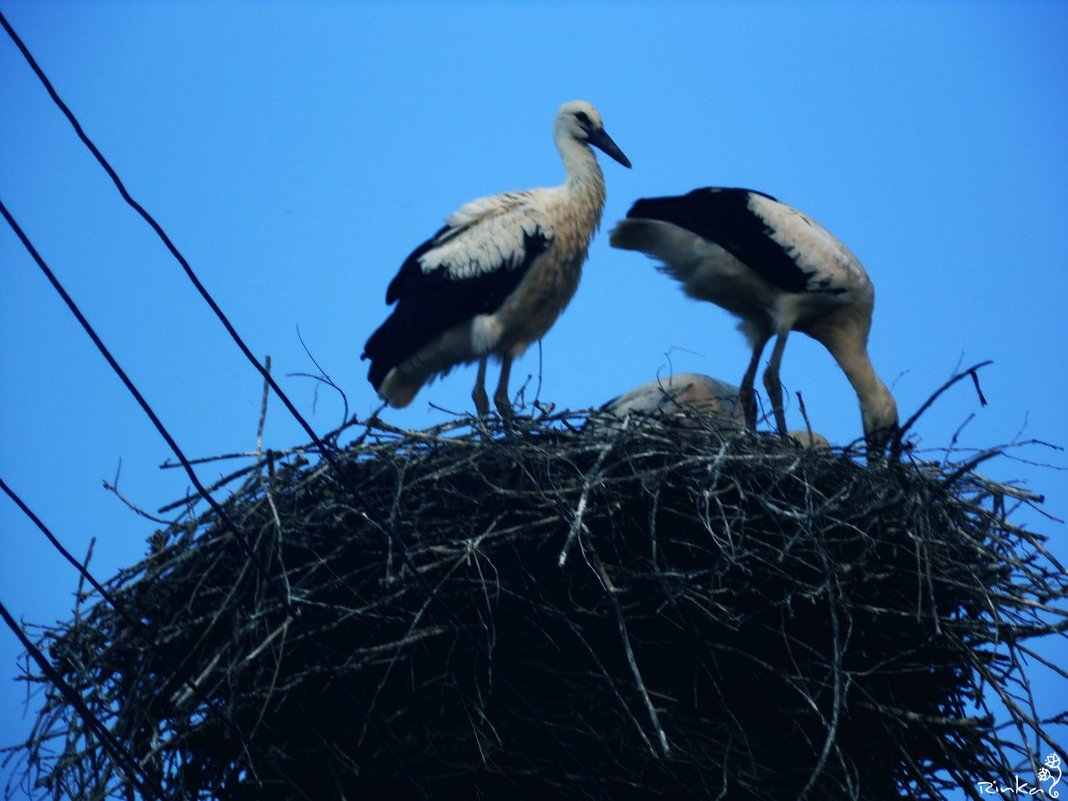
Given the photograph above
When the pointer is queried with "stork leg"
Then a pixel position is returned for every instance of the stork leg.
(500, 396)
(773, 385)
(745, 393)
(478, 394)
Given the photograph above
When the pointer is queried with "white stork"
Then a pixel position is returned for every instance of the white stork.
(718, 401)
(682, 392)
(496, 277)
(778, 270)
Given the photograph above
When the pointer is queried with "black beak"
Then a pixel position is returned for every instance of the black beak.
(602, 141)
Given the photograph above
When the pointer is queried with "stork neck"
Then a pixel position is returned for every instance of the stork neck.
(584, 176)
(877, 406)
(858, 369)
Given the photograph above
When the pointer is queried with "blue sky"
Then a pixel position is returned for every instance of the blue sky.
(296, 152)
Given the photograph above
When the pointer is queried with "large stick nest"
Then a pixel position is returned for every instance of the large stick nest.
(602, 610)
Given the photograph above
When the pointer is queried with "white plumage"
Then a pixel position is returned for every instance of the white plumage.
(694, 397)
(778, 270)
(496, 277)
(682, 393)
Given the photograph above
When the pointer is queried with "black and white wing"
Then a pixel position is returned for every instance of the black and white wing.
(467, 268)
(785, 247)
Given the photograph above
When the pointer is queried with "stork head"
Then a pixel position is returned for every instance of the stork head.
(582, 122)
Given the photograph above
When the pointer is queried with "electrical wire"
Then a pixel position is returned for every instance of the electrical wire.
(134, 624)
(166, 240)
(122, 757)
(239, 536)
(82, 570)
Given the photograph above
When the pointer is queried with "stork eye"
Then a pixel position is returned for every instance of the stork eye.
(582, 117)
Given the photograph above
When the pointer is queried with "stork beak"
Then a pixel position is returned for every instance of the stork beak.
(600, 139)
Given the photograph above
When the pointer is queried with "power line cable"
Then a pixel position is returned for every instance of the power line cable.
(136, 625)
(148, 218)
(323, 449)
(82, 570)
(122, 757)
(240, 537)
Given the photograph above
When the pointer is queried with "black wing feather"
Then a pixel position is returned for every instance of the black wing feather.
(428, 305)
(723, 216)
(410, 276)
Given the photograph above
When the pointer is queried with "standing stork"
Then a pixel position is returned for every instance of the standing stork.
(778, 270)
(496, 277)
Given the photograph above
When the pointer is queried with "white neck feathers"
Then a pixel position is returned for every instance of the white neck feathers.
(584, 184)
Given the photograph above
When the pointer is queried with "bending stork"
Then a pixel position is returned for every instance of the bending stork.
(496, 277)
(778, 270)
